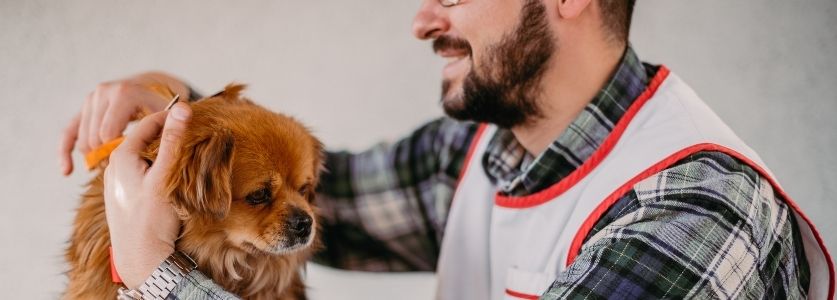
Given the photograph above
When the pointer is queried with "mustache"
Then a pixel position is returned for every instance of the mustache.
(450, 43)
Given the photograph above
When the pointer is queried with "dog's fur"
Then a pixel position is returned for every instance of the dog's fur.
(232, 151)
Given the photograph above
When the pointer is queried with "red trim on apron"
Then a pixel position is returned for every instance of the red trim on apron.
(593, 218)
(598, 156)
(520, 295)
(467, 162)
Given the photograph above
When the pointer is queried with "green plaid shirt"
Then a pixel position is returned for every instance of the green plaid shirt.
(385, 209)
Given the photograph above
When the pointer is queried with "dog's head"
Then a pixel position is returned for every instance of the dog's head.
(245, 176)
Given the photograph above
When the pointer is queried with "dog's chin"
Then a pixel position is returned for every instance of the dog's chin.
(281, 247)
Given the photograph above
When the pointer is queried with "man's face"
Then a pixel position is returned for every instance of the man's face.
(497, 52)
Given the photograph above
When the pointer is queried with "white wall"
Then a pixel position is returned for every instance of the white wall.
(352, 71)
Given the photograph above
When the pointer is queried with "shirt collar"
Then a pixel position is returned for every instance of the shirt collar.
(518, 173)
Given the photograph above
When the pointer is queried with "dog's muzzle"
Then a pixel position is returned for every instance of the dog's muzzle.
(299, 227)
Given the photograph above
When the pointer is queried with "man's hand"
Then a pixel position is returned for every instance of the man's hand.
(108, 110)
(143, 225)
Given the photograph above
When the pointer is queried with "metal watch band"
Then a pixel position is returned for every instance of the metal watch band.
(163, 279)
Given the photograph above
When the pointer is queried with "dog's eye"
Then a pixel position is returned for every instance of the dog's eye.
(258, 197)
(305, 189)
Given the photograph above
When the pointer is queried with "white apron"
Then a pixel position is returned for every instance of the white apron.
(498, 247)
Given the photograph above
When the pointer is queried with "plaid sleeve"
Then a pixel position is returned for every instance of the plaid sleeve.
(384, 209)
(708, 227)
(196, 286)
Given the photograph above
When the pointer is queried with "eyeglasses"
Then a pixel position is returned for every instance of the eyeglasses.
(448, 3)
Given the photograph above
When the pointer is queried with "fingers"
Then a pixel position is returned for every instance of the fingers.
(178, 119)
(115, 120)
(66, 149)
(106, 113)
(99, 106)
(149, 129)
(84, 125)
(138, 140)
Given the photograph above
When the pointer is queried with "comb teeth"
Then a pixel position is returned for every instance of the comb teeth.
(173, 101)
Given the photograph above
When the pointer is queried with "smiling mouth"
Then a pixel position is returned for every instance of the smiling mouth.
(457, 52)
(455, 59)
(457, 63)
(452, 53)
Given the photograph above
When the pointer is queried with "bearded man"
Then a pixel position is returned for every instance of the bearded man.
(567, 168)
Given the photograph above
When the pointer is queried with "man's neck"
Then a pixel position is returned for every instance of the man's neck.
(566, 88)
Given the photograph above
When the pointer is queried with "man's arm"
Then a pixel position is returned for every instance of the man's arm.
(384, 209)
(142, 223)
(706, 228)
(140, 241)
(424, 168)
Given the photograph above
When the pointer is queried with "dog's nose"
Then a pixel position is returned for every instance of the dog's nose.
(300, 223)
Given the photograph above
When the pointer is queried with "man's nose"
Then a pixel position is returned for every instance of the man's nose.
(431, 20)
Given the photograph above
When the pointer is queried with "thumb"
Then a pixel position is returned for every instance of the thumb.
(175, 126)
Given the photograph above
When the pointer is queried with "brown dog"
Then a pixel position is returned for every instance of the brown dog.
(243, 185)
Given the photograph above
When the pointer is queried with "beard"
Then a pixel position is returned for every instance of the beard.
(504, 92)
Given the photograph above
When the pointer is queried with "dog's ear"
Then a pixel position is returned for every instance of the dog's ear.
(231, 92)
(319, 167)
(200, 181)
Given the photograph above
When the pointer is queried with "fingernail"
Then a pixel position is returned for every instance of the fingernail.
(179, 113)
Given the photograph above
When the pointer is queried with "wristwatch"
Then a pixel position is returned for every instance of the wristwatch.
(162, 280)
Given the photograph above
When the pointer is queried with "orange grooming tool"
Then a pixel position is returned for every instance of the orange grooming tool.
(93, 158)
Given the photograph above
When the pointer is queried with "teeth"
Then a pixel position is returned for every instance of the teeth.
(452, 59)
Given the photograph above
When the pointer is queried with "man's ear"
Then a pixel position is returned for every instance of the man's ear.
(200, 182)
(569, 9)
